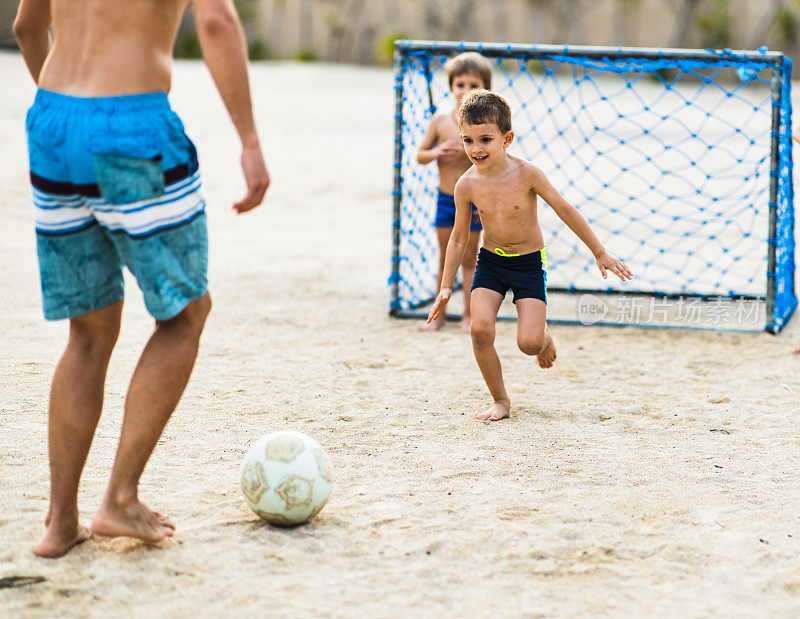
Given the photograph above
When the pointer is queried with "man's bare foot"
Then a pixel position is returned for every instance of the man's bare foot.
(548, 356)
(495, 412)
(466, 324)
(57, 542)
(433, 325)
(132, 520)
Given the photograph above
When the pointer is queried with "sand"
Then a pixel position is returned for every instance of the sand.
(647, 473)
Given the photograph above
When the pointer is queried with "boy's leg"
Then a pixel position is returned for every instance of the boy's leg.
(485, 305)
(76, 401)
(533, 337)
(467, 272)
(443, 236)
(156, 387)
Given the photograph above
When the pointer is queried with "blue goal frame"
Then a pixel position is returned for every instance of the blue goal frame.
(779, 289)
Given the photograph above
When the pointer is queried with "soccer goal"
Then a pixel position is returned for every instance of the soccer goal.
(681, 161)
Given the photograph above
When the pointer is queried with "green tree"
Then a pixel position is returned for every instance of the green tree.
(716, 25)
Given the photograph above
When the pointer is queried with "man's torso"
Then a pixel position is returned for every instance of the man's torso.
(109, 47)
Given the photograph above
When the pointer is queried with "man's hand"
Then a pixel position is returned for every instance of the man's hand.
(450, 151)
(606, 262)
(440, 303)
(225, 52)
(256, 177)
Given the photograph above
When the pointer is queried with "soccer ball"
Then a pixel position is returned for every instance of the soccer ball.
(286, 477)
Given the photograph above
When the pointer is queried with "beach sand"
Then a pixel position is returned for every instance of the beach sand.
(648, 473)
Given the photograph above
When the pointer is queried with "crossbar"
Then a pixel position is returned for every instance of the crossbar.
(587, 51)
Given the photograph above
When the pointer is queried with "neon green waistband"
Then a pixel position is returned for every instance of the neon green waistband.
(542, 254)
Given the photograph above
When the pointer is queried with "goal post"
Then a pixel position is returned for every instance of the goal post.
(681, 161)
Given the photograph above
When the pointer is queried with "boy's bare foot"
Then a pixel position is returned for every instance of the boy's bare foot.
(57, 542)
(433, 325)
(495, 412)
(548, 356)
(132, 520)
(796, 351)
(466, 324)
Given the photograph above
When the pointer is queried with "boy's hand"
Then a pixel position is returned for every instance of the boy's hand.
(449, 150)
(440, 303)
(607, 262)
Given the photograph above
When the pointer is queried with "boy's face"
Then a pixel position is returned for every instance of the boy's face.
(464, 84)
(485, 144)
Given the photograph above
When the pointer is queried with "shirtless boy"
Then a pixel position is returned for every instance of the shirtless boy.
(116, 183)
(505, 189)
(466, 72)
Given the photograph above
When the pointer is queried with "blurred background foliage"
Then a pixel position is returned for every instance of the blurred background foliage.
(363, 31)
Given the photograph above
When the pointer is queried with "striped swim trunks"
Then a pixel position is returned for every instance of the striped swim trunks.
(116, 184)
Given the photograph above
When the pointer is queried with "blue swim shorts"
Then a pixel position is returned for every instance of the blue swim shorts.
(115, 183)
(525, 275)
(446, 213)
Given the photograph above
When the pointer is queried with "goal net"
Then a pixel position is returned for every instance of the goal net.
(680, 160)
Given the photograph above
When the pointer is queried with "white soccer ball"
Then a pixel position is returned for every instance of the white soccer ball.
(286, 477)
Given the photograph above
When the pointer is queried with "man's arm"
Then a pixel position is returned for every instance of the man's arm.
(31, 29)
(455, 247)
(222, 41)
(570, 216)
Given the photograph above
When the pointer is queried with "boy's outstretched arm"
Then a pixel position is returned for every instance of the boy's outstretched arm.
(31, 29)
(455, 247)
(222, 41)
(570, 216)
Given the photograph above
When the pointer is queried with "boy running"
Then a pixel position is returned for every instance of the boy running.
(466, 72)
(116, 183)
(505, 189)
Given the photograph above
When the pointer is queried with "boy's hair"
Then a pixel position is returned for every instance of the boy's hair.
(482, 106)
(469, 63)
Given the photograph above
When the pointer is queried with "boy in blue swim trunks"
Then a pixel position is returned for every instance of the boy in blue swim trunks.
(116, 184)
(505, 190)
(465, 73)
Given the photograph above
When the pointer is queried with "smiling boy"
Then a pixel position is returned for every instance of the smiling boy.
(466, 72)
(504, 189)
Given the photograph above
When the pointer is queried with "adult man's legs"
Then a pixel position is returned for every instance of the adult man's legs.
(76, 401)
(156, 387)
